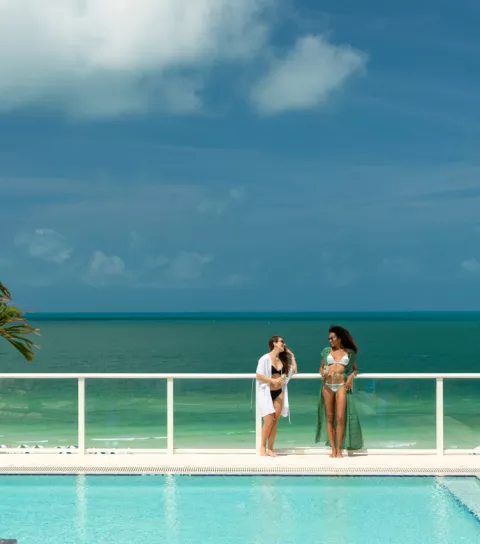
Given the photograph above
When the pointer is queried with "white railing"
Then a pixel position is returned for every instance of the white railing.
(81, 378)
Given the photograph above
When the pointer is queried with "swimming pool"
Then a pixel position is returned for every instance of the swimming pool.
(238, 509)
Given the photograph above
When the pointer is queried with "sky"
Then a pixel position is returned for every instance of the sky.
(240, 155)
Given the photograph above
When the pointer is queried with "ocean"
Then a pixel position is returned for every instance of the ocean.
(219, 413)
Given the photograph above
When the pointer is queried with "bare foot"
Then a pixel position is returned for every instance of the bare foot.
(263, 452)
(272, 453)
(339, 454)
(333, 454)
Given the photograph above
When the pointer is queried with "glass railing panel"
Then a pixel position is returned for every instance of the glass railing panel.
(461, 414)
(38, 413)
(394, 414)
(397, 414)
(125, 414)
(214, 413)
(217, 413)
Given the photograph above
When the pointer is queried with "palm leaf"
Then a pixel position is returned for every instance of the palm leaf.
(23, 348)
(5, 293)
(14, 327)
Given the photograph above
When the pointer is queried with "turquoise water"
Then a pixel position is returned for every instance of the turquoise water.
(212, 413)
(243, 510)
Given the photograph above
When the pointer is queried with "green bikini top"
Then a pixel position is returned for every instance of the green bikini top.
(352, 357)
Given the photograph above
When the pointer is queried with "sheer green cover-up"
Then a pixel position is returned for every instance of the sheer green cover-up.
(353, 439)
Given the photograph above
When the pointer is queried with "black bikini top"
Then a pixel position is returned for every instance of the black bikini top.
(276, 371)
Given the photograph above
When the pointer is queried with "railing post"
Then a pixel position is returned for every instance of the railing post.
(81, 416)
(258, 421)
(170, 443)
(439, 416)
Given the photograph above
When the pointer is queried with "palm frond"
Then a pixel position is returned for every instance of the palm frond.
(5, 293)
(14, 327)
(23, 348)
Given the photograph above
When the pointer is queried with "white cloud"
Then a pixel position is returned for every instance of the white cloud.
(237, 193)
(111, 57)
(45, 244)
(210, 206)
(471, 265)
(106, 265)
(218, 205)
(104, 268)
(103, 58)
(135, 239)
(235, 280)
(188, 266)
(306, 77)
(163, 271)
(157, 262)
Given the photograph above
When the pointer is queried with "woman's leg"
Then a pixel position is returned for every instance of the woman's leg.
(329, 398)
(278, 405)
(341, 400)
(268, 422)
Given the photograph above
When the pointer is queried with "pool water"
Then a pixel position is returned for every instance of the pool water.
(234, 509)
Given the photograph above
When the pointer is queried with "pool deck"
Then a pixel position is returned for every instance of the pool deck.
(225, 463)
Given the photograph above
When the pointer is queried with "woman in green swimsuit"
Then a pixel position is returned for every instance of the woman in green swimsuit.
(337, 414)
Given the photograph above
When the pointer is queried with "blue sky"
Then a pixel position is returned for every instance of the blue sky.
(189, 155)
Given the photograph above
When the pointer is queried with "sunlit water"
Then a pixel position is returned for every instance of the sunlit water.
(208, 413)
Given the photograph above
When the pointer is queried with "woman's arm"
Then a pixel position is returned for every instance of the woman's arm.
(294, 362)
(294, 365)
(353, 374)
(266, 379)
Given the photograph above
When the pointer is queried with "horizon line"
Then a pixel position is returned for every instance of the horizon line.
(255, 312)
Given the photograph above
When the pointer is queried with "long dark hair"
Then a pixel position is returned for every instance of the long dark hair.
(345, 337)
(283, 356)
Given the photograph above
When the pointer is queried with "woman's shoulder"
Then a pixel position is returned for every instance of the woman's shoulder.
(325, 352)
(264, 358)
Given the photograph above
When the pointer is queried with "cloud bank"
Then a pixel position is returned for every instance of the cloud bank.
(105, 58)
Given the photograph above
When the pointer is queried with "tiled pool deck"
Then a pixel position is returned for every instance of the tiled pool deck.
(248, 463)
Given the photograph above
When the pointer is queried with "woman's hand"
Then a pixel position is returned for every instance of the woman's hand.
(292, 357)
(348, 383)
(277, 382)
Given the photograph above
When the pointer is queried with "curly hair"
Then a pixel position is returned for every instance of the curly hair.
(345, 337)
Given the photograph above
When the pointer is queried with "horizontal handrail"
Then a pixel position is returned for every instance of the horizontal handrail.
(171, 377)
(214, 376)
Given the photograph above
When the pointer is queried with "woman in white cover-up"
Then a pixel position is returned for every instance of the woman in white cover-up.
(274, 371)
